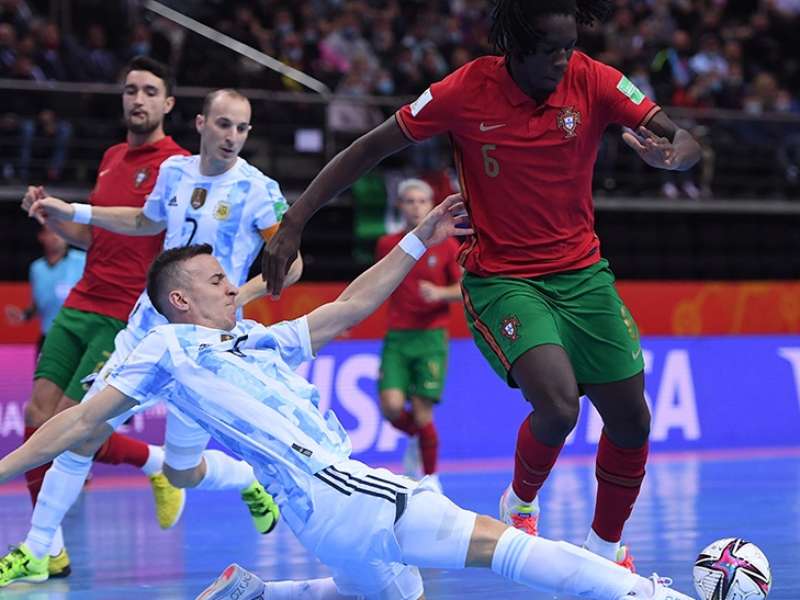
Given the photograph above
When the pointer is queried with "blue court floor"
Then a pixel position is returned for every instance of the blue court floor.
(118, 551)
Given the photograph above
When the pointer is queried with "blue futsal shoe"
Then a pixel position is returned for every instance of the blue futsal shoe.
(235, 583)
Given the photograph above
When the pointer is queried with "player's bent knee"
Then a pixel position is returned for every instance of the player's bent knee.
(392, 404)
(561, 416)
(45, 398)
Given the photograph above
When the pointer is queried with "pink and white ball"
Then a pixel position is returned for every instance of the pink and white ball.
(732, 569)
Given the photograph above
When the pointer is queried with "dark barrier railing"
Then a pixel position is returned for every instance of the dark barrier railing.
(744, 155)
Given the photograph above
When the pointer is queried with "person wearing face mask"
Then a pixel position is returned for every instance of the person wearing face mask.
(215, 197)
(540, 300)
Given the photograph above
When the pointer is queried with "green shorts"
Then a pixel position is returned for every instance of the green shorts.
(414, 361)
(77, 344)
(580, 311)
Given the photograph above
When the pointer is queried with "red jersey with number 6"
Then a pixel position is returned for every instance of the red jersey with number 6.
(526, 168)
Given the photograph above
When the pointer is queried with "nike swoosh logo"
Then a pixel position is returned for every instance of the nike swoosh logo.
(485, 127)
(103, 172)
(636, 354)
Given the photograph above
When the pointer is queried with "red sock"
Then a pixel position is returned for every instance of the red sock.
(620, 472)
(35, 476)
(122, 449)
(429, 448)
(405, 422)
(532, 462)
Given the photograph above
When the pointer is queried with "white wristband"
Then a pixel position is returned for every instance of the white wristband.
(412, 245)
(83, 213)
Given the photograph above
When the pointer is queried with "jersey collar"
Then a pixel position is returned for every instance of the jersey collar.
(151, 147)
(515, 95)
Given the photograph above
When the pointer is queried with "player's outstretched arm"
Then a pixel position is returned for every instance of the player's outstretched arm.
(64, 431)
(338, 175)
(127, 220)
(663, 145)
(256, 287)
(375, 285)
(75, 234)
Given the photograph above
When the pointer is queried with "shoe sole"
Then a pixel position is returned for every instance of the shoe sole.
(29, 579)
(270, 529)
(65, 572)
(178, 515)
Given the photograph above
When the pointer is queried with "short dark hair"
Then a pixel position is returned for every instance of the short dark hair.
(151, 65)
(211, 96)
(513, 29)
(166, 268)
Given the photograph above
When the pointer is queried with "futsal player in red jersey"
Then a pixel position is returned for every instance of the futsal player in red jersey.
(414, 355)
(82, 335)
(540, 300)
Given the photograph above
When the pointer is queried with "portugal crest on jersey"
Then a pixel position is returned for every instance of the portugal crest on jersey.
(198, 197)
(568, 120)
(141, 176)
(222, 211)
(510, 328)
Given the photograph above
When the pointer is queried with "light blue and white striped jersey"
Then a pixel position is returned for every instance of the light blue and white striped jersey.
(228, 211)
(241, 387)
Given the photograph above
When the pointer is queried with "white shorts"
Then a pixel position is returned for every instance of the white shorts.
(373, 528)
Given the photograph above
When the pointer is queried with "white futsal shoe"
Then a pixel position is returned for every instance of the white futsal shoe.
(235, 583)
(659, 589)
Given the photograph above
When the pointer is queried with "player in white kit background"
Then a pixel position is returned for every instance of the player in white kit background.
(236, 379)
(215, 197)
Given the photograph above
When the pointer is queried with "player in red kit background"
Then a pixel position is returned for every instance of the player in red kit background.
(414, 356)
(540, 299)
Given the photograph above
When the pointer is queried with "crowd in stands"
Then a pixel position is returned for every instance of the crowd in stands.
(733, 54)
(706, 53)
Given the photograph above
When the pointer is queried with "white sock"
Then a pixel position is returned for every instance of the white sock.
(57, 544)
(512, 500)
(559, 567)
(312, 589)
(594, 543)
(224, 472)
(155, 460)
(61, 487)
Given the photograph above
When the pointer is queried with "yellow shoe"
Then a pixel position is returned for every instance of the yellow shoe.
(20, 565)
(169, 500)
(262, 507)
(59, 565)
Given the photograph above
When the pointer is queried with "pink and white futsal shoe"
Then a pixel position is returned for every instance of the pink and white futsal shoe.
(235, 583)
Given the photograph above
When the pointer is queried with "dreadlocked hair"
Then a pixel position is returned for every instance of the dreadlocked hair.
(513, 30)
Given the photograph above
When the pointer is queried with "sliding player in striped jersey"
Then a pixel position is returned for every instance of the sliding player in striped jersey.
(237, 379)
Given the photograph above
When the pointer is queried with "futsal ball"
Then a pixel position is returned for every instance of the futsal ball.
(732, 569)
